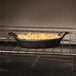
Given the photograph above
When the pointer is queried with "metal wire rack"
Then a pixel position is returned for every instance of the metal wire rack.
(10, 46)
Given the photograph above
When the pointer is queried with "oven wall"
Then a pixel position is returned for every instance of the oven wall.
(50, 13)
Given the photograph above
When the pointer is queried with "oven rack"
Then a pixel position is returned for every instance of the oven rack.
(8, 45)
(67, 46)
(14, 48)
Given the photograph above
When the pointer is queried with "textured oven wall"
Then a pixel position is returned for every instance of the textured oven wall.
(58, 13)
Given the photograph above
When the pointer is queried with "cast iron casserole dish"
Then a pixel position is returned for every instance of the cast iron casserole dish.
(50, 43)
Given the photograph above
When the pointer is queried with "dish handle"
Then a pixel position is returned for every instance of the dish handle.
(12, 34)
(62, 34)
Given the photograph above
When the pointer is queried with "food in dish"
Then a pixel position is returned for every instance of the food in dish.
(37, 36)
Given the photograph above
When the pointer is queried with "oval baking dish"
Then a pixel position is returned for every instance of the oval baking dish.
(43, 43)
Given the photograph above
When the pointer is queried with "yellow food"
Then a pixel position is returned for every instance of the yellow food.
(37, 36)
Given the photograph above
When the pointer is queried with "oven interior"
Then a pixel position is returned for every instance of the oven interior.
(13, 57)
